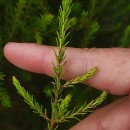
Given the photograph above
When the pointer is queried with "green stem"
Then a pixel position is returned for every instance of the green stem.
(52, 125)
(19, 10)
(91, 15)
(60, 57)
(58, 88)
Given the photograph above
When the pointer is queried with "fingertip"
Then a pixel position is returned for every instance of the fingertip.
(7, 49)
(11, 49)
(29, 56)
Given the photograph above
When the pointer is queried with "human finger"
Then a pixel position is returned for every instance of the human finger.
(115, 116)
(113, 64)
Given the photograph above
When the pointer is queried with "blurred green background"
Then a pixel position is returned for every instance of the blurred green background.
(96, 23)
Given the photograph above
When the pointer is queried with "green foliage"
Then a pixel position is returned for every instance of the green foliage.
(64, 105)
(38, 38)
(4, 96)
(82, 78)
(87, 107)
(64, 24)
(1, 76)
(95, 23)
(73, 22)
(84, 18)
(19, 12)
(43, 21)
(91, 25)
(48, 90)
(29, 99)
(92, 30)
(125, 41)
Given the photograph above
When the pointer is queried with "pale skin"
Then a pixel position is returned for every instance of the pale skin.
(113, 76)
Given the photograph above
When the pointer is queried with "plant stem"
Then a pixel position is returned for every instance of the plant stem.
(91, 13)
(62, 34)
(57, 91)
(52, 125)
(90, 18)
(53, 111)
(18, 14)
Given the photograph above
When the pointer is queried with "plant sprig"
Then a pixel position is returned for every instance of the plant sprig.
(85, 108)
(59, 104)
(2, 76)
(82, 78)
(29, 99)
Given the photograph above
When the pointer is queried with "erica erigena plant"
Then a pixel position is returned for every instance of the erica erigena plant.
(59, 104)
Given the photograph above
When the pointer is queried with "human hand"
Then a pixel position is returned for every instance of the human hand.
(113, 76)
